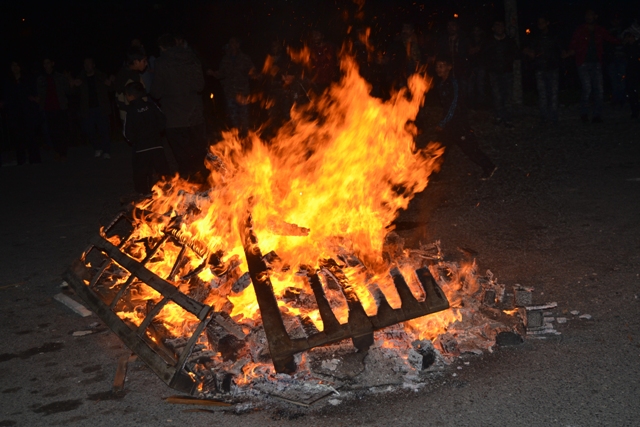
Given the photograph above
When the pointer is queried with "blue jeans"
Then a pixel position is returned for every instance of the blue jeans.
(96, 126)
(547, 83)
(617, 71)
(501, 85)
(591, 80)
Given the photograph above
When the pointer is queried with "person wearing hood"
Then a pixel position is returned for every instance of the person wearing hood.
(178, 85)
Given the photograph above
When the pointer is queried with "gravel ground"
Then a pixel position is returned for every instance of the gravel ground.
(560, 215)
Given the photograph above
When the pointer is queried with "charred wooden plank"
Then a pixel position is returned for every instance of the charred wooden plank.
(329, 321)
(172, 374)
(360, 327)
(162, 286)
(280, 344)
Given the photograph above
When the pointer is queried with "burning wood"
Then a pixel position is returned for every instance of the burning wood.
(289, 249)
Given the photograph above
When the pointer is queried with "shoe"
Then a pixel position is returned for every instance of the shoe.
(106, 156)
(596, 119)
(508, 125)
(488, 173)
(98, 153)
(497, 121)
(584, 118)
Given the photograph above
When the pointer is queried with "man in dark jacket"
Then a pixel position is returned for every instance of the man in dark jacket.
(500, 53)
(454, 126)
(93, 86)
(178, 84)
(143, 128)
(587, 46)
(545, 51)
(53, 91)
(236, 68)
(19, 102)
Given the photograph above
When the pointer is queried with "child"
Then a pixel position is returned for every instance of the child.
(143, 128)
(454, 126)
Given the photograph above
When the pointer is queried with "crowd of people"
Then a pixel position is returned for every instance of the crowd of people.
(156, 99)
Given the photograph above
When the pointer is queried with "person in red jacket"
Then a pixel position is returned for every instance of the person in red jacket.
(587, 46)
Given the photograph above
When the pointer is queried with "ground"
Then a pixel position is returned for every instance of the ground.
(560, 215)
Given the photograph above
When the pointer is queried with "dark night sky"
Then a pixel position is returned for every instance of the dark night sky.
(69, 30)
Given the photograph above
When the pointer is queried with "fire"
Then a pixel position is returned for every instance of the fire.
(327, 187)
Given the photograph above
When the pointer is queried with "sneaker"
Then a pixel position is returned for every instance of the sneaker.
(106, 156)
(488, 173)
(596, 119)
(584, 118)
(98, 153)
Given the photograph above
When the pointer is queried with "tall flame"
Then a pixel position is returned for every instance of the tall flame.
(332, 181)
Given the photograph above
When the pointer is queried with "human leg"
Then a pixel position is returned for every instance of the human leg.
(552, 91)
(598, 89)
(496, 94)
(585, 83)
(541, 86)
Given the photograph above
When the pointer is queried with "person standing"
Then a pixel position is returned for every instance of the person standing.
(501, 52)
(587, 46)
(454, 126)
(21, 108)
(93, 86)
(143, 128)
(53, 91)
(236, 68)
(456, 46)
(178, 85)
(632, 77)
(477, 68)
(545, 52)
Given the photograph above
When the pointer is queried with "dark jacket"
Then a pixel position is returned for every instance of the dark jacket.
(143, 125)
(500, 55)
(454, 115)
(178, 84)
(62, 89)
(101, 88)
(125, 76)
(547, 52)
(234, 74)
(580, 42)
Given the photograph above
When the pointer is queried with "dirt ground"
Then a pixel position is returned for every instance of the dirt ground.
(561, 215)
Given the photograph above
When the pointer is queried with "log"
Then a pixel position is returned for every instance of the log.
(188, 400)
(73, 305)
(121, 374)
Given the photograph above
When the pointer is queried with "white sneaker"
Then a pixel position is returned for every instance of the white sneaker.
(98, 153)
(106, 156)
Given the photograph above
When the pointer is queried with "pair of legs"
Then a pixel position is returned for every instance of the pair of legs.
(238, 112)
(57, 125)
(590, 74)
(501, 89)
(189, 148)
(96, 125)
(617, 70)
(148, 167)
(547, 84)
(22, 132)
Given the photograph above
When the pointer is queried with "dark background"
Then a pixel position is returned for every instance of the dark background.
(69, 30)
